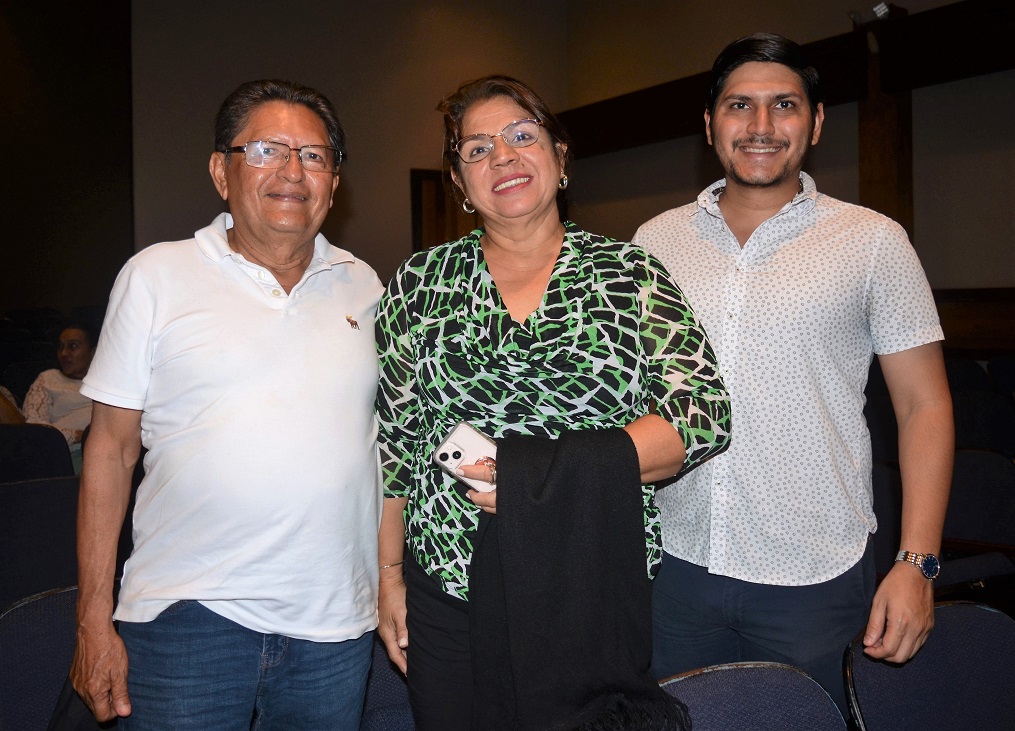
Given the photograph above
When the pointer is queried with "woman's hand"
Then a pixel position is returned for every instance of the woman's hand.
(487, 501)
(391, 615)
(484, 470)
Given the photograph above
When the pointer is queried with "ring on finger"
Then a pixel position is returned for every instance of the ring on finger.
(492, 464)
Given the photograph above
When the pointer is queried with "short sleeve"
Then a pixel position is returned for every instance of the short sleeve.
(121, 369)
(902, 312)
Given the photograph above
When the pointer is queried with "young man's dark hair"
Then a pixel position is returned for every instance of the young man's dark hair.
(766, 48)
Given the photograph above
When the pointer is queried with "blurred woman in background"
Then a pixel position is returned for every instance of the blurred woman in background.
(54, 398)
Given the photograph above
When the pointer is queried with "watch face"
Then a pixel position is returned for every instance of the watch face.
(931, 567)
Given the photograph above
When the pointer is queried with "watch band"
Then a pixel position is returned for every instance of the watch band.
(926, 562)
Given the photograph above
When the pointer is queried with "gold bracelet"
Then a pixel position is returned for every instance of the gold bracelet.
(392, 565)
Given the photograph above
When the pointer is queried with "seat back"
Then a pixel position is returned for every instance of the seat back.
(966, 373)
(755, 696)
(13, 352)
(981, 505)
(38, 536)
(41, 321)
(1001, 369)
(37, 637)
(38, 529)
(960, 679)
(984, 420)
(387, 699)
(16, 335)
(33, 451)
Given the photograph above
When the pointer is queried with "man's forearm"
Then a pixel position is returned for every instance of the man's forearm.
(926, 455)
(111, 452)
(101, 512)
(918, 386)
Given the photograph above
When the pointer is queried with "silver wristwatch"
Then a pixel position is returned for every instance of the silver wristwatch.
(926, 562)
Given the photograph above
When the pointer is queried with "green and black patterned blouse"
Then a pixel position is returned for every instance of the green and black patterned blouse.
(612, 338)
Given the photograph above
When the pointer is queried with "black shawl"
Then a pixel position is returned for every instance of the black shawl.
(560, 604)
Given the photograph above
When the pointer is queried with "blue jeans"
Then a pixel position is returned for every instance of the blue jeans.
(701, 619)
(190, 668)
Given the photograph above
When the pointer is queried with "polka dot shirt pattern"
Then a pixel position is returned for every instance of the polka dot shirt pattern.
(794, 317)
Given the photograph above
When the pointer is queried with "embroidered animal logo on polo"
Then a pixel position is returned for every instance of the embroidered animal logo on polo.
(352, 323)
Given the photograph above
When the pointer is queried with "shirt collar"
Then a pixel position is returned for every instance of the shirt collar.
(213, 242)
(708, 199)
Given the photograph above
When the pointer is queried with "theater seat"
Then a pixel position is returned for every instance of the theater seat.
(33, 451)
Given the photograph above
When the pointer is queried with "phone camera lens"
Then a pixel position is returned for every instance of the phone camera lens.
(456, 454)
(443, 456)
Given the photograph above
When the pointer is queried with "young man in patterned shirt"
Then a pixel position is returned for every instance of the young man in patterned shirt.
(766, 545)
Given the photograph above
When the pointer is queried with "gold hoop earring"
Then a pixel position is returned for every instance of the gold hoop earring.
(563, 182)
(465, 206)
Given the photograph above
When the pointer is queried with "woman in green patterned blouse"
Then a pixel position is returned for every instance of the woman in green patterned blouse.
(528, 325)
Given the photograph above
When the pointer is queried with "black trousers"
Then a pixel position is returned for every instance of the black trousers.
(439, 658)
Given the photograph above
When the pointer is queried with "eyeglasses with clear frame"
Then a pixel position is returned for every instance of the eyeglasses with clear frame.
(268, 154)
(520, 133)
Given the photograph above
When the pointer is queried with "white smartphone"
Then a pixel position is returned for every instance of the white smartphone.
(464, 445)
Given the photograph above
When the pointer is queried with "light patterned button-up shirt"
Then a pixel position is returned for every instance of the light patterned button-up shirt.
(794, 317)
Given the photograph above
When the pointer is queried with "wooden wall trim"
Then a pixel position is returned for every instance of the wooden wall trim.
(950, 43)
(674, 109)
(885, 137)
(663, 112)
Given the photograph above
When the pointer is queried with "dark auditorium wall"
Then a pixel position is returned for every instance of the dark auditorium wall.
(85, 85)
(386, 64)
(65, 119)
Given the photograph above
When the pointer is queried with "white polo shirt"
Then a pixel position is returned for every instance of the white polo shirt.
(261, 497)
(794, 317)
